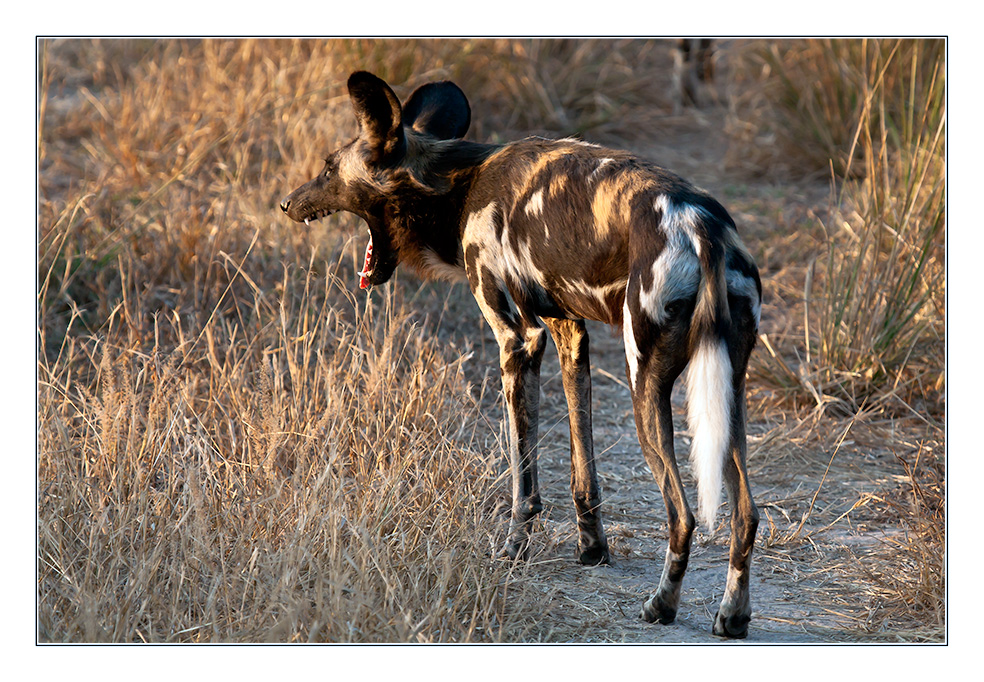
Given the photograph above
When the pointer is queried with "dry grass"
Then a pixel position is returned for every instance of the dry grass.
(871, 114)
(315, 477)
(233, 447)
(863, 530)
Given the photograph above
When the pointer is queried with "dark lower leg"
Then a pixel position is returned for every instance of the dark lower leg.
(662, 606)
(735, 611)
(571, 339)
(521, 386)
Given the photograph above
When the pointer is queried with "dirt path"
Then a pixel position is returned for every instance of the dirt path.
(795, 586)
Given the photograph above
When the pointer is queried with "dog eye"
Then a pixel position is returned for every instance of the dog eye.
(675, 308)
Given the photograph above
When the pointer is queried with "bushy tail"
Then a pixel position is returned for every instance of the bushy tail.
(709, 416)
(709, 387)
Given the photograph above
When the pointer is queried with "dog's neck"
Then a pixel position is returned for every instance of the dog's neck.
(423, 209)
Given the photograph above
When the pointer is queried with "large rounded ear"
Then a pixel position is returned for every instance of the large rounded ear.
(378, 111)
(438, 109)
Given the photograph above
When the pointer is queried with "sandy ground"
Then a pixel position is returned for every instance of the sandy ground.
(795, 586)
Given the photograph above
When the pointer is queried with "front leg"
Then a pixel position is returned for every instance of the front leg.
(521, 341)
(520, 354)
(571, 339)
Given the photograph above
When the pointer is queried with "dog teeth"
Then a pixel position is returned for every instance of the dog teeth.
(316, 216)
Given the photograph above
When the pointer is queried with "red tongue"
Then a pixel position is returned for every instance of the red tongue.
(363, 280)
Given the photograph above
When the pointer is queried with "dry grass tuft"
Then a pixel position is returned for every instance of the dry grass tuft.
(873, 301)
(872, 114)
(317, 477)
(908, 579)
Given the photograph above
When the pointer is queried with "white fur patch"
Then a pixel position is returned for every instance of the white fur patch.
(665, 584)
(574, 140)
(352, 168)
(479, 230)
(709, 400)
(676, 275)
(517, 263)
(632, 354)
(482, 219)
(601, 295)
(679, 218)
(601, 164)
(732, 590)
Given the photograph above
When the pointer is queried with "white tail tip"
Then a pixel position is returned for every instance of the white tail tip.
(709, 398)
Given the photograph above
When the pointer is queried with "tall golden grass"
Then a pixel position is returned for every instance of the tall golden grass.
(232, 447)
(315, 475)
(873, 112)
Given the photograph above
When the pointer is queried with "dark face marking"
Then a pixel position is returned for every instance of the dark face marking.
(318, 198)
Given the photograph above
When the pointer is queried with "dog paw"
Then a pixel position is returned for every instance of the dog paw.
(594, 556)
(734, 626)
(657, 611)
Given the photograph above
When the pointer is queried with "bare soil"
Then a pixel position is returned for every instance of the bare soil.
(602, 604)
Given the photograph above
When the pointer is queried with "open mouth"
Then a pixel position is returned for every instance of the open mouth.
(367, 267)
(370, 262)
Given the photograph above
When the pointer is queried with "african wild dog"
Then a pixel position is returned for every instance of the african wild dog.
(549, 233)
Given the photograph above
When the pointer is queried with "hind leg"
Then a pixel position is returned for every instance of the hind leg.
(735, 612)
(571, 339)
(654, 423)
(655, 357)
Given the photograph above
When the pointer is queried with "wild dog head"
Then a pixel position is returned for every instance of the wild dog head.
(364, 176)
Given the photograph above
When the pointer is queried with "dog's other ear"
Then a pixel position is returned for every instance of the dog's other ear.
(378, 111)
(438, 109)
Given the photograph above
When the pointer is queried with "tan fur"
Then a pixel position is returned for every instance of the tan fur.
(612, 203)
(557, 186)
(534, 170)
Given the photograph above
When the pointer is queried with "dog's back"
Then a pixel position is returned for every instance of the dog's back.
(563, 223)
